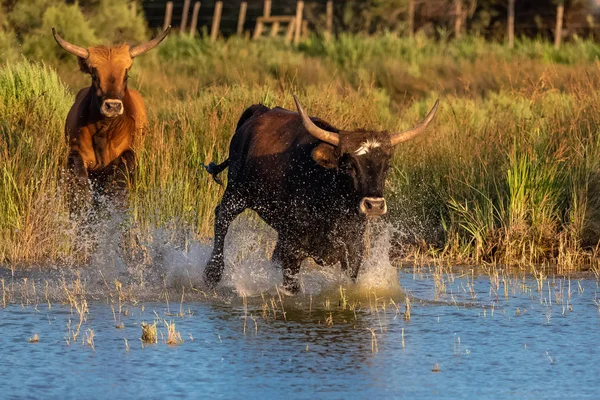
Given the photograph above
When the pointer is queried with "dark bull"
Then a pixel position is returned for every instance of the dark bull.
(314, 184)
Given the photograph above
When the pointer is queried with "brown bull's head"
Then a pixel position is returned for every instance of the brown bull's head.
(362, 157)
(109, 68)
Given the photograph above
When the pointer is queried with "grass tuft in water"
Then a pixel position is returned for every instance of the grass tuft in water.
(149, 334)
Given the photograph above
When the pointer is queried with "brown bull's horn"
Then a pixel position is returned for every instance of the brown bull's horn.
(71, 48)
(398, 138)
(142, 48)
(321, 134)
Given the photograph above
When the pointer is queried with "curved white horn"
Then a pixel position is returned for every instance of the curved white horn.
(142, 48)
(71, 48)
(321, 134)
(400, 137)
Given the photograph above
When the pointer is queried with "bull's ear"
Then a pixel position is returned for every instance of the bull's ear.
(83, 65)
(324, 155)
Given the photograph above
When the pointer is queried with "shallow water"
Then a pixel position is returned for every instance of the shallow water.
(486, 345)
(469, 336)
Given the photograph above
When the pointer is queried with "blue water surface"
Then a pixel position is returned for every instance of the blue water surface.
(465, 342)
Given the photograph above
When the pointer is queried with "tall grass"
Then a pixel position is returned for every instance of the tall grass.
(508, 173)
(33, 104)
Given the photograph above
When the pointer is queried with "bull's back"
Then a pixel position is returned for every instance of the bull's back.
(262, 149)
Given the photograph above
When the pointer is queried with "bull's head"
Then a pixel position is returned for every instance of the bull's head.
(362, 157)
(109, 68)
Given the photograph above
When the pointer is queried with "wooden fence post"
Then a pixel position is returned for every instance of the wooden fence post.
(214, 32)
(194, 19)
(560, 10)
(329, 21)
(511, 23)
(267, 9)
(168, 15)
(242, 18)
(411, 18)
(184, 15)
(298, 30)
(458, 21)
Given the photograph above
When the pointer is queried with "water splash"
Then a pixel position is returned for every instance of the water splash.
(170, 257)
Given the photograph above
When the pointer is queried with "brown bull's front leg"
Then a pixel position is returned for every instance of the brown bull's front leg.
(125, 165)
(122, 170)
(113, 179)
(78, 185)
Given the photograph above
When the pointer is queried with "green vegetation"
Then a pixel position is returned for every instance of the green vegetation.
(508, 172)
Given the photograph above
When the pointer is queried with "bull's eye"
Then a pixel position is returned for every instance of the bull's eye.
(348, 168)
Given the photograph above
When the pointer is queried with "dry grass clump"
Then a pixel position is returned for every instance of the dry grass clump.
(149, 334)
(89, 338)
(173, 337)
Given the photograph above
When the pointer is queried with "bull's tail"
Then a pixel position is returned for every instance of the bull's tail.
(215, 169)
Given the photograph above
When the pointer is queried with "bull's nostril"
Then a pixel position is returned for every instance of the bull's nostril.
(112, 107)
(373, 206)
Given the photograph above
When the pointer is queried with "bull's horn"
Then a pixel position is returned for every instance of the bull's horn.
(321, 134)
(142, 48)
(398, 138)
(71, 48)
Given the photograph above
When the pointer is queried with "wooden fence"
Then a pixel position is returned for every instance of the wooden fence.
(256, 20)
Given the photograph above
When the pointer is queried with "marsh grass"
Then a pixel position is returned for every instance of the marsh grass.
(173, 336)
(149, 333)
(509, 173)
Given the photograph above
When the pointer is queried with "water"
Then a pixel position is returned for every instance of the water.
(523, 348)
(469, 336)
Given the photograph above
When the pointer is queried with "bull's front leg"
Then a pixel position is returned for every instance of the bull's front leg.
(125, 165)
(353, 253)
(116, 175)
(77, 180)
(290, 258)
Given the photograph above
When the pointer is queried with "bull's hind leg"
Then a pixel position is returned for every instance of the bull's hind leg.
(231, 206)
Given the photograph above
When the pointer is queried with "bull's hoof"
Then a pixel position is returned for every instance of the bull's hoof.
(290, 286)
(287, 292)
(213, 274)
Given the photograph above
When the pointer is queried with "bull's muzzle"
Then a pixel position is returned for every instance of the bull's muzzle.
(111, 108)
(373, 206)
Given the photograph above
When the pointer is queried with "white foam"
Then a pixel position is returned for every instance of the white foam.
(172, 257)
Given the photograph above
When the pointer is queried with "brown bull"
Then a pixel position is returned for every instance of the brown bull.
(107, 116)
(316, 185)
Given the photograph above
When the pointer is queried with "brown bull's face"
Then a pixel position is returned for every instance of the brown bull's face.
(109, 68)
(361, 158)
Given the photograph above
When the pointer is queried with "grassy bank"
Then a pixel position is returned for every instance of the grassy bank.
(508, 173)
